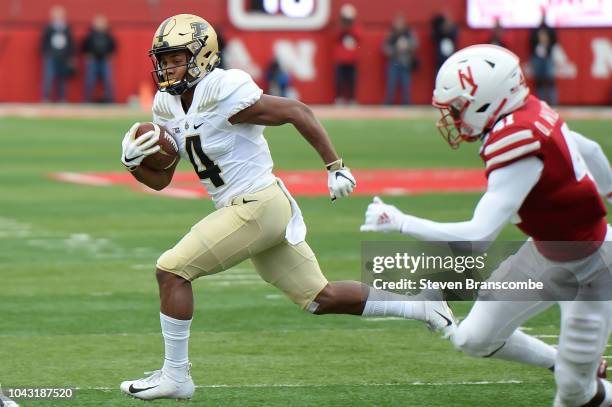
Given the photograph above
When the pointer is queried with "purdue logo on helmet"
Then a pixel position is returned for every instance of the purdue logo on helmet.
(190, 33)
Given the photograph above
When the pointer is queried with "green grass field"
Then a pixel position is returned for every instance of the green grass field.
(79, 305)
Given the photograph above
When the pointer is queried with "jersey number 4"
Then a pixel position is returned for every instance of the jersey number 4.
(204, 166)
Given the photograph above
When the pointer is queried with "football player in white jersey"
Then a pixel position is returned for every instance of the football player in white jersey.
(549, 181)
(216, 117)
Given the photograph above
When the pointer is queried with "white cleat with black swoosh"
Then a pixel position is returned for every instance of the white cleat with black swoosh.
(439, 317)
(158, 385)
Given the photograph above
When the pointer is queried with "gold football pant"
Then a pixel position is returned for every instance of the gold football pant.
(252, 226)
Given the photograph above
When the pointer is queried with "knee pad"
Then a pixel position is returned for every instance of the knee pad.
(582, 340)
(474, 344)
(173, 263)
(170, 261)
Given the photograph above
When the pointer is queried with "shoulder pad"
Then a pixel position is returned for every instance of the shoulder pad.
(161, 106)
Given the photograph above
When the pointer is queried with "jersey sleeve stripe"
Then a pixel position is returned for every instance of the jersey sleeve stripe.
(506, 141)
(514, 154)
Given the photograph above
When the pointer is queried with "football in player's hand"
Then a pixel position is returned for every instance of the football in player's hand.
(168, 153)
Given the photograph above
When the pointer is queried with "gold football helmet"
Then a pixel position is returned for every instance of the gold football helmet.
(190, 33)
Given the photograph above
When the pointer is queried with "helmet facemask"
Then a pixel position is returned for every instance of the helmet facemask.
(451, 126)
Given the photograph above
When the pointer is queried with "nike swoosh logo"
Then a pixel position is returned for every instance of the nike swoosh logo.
(244, 201)
(196, 127)
(448, 321)
(127, 160)
(134, 390)
(339, 174)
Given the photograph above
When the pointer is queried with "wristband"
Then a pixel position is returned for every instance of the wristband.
(335, 166)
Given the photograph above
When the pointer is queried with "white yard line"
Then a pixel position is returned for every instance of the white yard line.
(85, 179)
(297, 385)
(382, 319)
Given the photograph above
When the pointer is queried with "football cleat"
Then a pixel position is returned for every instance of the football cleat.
(159, 385)
(439, 317)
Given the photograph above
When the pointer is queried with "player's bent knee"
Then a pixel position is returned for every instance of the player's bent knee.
(305, 299)
(162, 275)
(474, 344)
(169, 261)
(172, 263)
(166, 278)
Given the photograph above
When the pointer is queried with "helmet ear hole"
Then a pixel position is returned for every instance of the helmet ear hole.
(483, 108)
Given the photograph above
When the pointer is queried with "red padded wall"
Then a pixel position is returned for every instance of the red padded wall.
(134, 21)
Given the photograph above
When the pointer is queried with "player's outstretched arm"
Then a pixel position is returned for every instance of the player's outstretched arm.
(275, 111)
(506, 190)
(597, 163)
(134, 151)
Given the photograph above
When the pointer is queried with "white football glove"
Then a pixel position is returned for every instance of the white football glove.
(381, 217)
(136, 149)
(340, 181)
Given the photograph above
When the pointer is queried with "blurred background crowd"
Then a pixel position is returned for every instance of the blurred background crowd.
(327, 51)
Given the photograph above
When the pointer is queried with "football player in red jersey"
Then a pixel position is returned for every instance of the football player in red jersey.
(548, 180)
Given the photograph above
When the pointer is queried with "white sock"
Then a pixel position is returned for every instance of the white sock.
(522, 348)
(176, 344)
(383, 303)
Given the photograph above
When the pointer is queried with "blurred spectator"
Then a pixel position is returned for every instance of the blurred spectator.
(399, 47)
(346, 54)
(542, 40)
(257, 5)
(99, 46)
(444, 37)
(57, 46)
(277, 78)
(498, 35)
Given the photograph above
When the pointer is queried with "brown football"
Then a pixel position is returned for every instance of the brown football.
(167, 155)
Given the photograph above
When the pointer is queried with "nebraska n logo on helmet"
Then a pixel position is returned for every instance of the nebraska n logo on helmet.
(190, 33)
(476, 87)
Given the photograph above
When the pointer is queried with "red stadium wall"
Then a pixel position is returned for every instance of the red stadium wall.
(585, 74)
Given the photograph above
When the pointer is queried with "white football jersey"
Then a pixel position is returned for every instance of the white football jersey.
(230, 160)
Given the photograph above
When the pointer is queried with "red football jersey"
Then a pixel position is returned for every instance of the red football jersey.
(564, 205)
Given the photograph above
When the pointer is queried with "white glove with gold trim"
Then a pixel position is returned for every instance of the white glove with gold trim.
(339, 180)
(136, 149)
